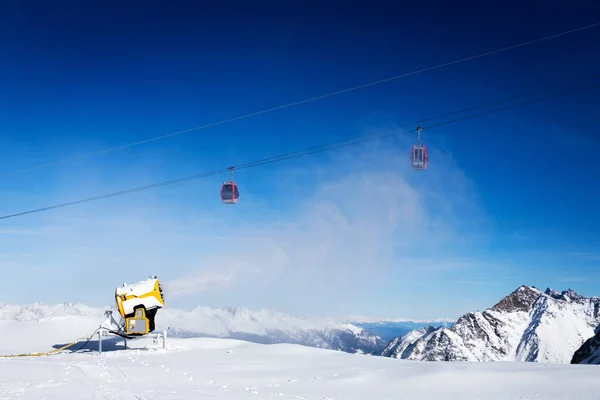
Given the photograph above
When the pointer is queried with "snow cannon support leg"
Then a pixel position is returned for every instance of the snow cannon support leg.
(100, 341)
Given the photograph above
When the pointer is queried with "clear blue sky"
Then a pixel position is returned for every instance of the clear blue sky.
(509, 199)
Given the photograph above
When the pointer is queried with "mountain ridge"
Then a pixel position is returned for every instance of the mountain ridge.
(525, 325)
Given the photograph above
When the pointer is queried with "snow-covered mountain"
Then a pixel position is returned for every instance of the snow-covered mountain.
(397, 346)
(263, 326)
(39, 311)
(390, 328)
(526, 325)
(268, 327)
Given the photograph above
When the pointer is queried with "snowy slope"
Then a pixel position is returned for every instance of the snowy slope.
(20, 326)
(589, 352)
(396, 347)
(526, 325)
(560, 324)
(262, 326)
(204, 368)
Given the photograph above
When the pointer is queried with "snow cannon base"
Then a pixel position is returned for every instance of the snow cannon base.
(138, 325)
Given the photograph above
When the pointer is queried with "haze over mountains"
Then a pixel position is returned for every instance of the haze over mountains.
(262, 326)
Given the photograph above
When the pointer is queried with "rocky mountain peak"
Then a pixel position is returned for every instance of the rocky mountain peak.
(573, 295)
(567, 295)
(526, 325)
(520, 300)
(552, 293)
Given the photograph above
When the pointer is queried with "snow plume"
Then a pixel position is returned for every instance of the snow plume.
(327, 239)
(369, 216)
(198, 283)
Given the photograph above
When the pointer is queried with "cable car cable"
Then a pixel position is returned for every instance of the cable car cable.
(65, 160)
(561, 94)
(488, 104)
(288, 156)
(282, 158)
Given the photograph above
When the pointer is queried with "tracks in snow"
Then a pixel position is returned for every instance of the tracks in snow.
(142, 375)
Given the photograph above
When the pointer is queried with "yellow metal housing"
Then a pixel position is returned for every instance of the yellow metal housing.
(147, 294)
(138, 304)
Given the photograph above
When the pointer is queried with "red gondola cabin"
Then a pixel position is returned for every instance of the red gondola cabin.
(229, 193)
(418, 157)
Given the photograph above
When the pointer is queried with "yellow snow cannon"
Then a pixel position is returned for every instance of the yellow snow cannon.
(138, 303)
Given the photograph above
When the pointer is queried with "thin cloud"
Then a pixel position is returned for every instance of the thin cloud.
(585, 256)
(198, 283)
(22, 231)
(573, 279)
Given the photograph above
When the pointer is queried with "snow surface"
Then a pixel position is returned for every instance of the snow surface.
(210, 368)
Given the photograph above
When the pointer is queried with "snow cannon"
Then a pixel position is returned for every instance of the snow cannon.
(138, 303)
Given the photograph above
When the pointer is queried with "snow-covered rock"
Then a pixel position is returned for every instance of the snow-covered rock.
(589, 352)
(398, 346)
(526, 325)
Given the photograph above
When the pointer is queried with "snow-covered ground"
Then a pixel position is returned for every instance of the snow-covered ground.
(209, 368)
(221, 368)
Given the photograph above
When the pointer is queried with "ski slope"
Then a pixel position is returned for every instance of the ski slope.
(213, 368)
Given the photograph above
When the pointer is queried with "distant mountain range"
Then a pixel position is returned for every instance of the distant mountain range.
(390, 329)
(262, 326)
(268, 326)
(526, 325)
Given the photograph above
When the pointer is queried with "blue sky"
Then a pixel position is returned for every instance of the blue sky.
(509, 198)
